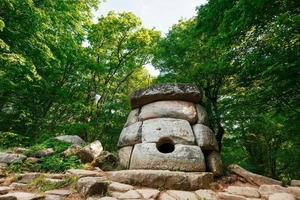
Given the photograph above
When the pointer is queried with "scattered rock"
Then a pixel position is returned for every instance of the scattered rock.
(182, 195)
(163, 179)
(20, 150)
(281, 196)
(43, 153)
(18, 186)
(295, 191)
(169, 109)
(250, 192)
(202, 115)
(206, 194)
(33, 160)
(59, 192)
(266, 190)
(120, 187)
(21, 196)
(72, 150)
(253, 178)
(133, 117)
(83, 173)
(205, 138)
(148, 193)
(131, 194)
(214, 163)
(29, 177)
(183, 158)
(130, 135)
(89, 186)
(171, 91)
(4, 189)
(295, 183)
(178, 131)
(90, 152)
(124, 155)
(56, 176)
(227, 196)
(74, 139)
(106, 161)
(9, 158)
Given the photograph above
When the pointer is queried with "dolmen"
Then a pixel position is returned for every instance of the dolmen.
(168, 129)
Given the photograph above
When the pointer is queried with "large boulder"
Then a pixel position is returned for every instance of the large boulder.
(202, 115)
(163, 179)
(9, 158)
(124, 155)
(183, 158)
(171, 91)
(133, 117)
(171, 109)
(90, 152)
(74, 139)
(177, 130)
(130, 135)
(205, 137)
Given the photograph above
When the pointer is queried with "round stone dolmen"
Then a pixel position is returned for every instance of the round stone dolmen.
(167, 129)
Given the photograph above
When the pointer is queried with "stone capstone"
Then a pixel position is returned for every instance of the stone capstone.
(171, 91)
(177, 130)
(130, 135)
(74, 139)
(163, 179)
(169, 109)
(183, 158)
(205, 137)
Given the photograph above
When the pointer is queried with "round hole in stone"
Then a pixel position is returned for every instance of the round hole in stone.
(165, 145)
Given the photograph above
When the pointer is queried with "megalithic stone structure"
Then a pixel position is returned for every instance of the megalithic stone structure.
(167, 129)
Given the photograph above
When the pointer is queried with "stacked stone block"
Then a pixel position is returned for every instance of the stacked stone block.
(167, 129)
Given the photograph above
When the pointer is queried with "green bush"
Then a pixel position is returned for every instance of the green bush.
(10, 139)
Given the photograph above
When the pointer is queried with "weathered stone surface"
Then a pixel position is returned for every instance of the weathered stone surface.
(295, 183)
(131, 194)
(171, 91)
(90, 152)
(43, 153)
(165, 196)
(227, 196)
(124, 155)
(53, 197)
(183, 158)
(206, 194)
(33, 160)
(83, 173)
(29, 177)
(4, 189)
(295, 191)
(133, 117)
(169, 109)
(250, 192)
(253, 178)
(214, 163)
(74, 139)
(115, 194)
(21, 150)
(177, 130)
(266, 190)
(21, 196)
(105, 161)
(182, 195)
(59, 192)
(18, 186)
(163, 179)
(9, 158)
(202, 115)
(120, 187)
(130, 135)
(89, 186)
(101, 198)
(72, 150)
(148, 193)
(281, 196)
(205, 137)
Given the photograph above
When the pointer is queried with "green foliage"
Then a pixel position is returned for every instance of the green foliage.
(43, 185)
(57, 145)
(10, 139)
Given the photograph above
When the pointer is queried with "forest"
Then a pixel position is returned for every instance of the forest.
(63, 73)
